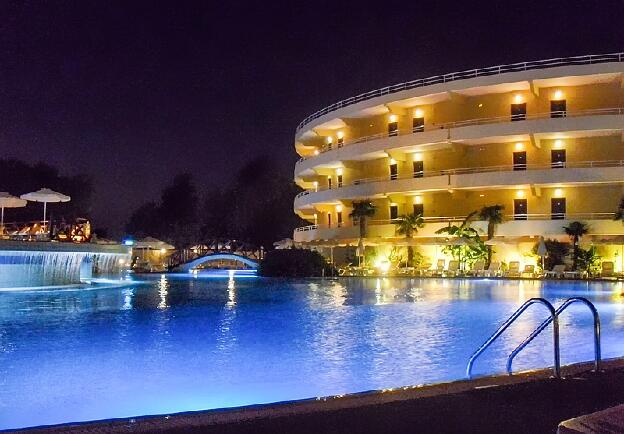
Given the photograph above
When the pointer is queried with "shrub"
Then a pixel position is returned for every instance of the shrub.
(556, 252)
(294, 263)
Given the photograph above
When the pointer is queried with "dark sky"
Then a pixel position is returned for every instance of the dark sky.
(135, 92)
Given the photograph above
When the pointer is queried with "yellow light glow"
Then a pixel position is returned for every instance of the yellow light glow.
(163, 250)
(393, 204)
(418, 200)
(519, 146)
(339, 171)
(393, 118)
(315, 185)
(383, 265)
(558, 192)
(482, 195)
(329, 177)
(558, 144)
(340, 134)
(518, 98)
(418, 113)
(329, 139)
(338, 208)
(393, 161)
(558, 95)
(520, 194)
(418, 156)
(316, 152)
(480, 105)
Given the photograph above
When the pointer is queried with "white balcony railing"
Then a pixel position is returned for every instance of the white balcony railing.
(472, 122)
(472, 170)
(462, 75)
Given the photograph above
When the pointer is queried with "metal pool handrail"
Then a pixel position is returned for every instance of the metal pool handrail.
(543, 325)
(510, 320)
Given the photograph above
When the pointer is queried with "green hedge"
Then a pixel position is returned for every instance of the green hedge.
(294, 263)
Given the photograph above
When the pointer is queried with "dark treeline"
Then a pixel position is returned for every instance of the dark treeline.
(256, 208)
(18, 177)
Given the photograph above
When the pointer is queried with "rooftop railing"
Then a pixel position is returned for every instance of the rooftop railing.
(474, 170)
(472, 122)
(462, 75)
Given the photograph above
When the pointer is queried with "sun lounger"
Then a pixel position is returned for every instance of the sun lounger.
(557, 272)
(493, 270)
(529, 271)
(453, 268)
(607, 269)
(514, 269)
(477, 268)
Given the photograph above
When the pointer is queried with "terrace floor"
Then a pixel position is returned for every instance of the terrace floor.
(526, 403)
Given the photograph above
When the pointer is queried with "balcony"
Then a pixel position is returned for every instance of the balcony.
(532, 225)
(577, 172)
(375, 146)
(462, 75)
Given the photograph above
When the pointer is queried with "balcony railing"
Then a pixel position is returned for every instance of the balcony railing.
(474, 170)
(456, 219)
(462, 75)
(472, 122)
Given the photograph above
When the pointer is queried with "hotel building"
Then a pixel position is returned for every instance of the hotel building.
(543, 138)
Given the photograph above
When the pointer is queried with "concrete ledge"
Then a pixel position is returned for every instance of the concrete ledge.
(49, 246)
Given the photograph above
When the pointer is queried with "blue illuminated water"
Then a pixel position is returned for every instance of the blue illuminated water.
(178, 343)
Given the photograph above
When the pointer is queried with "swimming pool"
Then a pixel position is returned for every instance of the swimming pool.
(176, 343)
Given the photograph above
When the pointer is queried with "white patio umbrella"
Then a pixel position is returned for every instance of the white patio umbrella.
(8, 201)
(541, 250)
(46, 196)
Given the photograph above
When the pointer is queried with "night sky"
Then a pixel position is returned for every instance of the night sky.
(134, 92)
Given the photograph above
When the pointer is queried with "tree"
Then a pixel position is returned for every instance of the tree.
(408, 225)
(472, 248)
(493, 214)
(556, 251)
(619, 214)
(362, 211)
(294, 263)
(575, 231)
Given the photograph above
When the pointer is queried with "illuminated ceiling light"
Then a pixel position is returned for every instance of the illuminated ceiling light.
(329, 177)
(418, 156)
(393, 204)
(338, 208)
(418, 200)
(392, 161)
(558, 192)
(520, 194)
(393, 118)
(482, 195)
(519, 146)
(418, 113)
(518, 98)
(558, 95)
(316, 152)
(329, 139)
(339, 171)
(558, 144)
(163, 251)
(340, 134)
(480, 104)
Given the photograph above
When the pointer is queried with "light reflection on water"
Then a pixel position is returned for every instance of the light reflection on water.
(179, 343)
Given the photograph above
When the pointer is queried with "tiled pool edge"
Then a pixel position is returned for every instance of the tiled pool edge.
(216, 417)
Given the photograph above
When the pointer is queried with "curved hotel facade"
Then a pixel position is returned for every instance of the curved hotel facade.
(543, 138)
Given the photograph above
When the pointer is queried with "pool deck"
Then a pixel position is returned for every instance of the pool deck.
(524, 403)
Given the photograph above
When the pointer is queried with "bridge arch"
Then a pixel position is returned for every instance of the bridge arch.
(217, 257)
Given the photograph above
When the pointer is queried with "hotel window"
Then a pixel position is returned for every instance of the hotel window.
(329, 183)
(419, 169)
(329, 220)
(393, 128)
(394, 212)
(519, 160)
(340, 142)
(418, 125)
(558, 158)
(339, 180)
(518, 112)
(339, 218)
(558, 109)
(557, 208)
(394, 171)
(419, 209)
(520, 209)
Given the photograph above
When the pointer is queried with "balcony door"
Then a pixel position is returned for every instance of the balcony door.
(520, 209)
(519, 160)
(558, 158)
(518, 112)
(558, 109)
(394, 171)
(419, 209)
(557, 208)
(419, 169)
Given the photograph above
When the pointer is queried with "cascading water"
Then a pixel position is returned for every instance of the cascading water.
(29, 268)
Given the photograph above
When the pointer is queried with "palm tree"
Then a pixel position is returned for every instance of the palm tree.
(474, 248)
(493, 214)
(362, 210)
(619, 214)
(408, 225)
(575, 231)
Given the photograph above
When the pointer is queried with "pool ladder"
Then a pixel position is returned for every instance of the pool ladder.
(554, 319)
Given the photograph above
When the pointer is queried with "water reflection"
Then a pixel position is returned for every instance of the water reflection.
(163, 290)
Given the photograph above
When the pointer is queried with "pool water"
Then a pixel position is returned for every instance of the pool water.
(173, 343)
